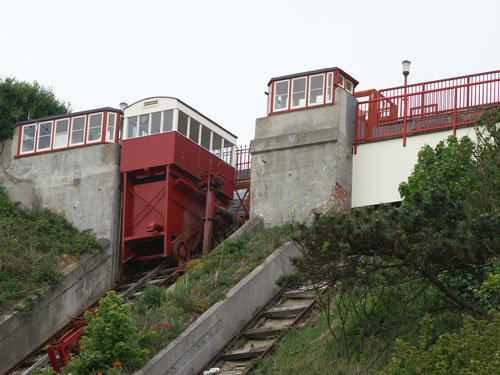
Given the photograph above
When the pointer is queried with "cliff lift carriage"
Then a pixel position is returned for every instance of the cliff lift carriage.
(178, 180)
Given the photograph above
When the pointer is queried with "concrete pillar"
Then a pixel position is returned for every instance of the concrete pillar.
(302, 161)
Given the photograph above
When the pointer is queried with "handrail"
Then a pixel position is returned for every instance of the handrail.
(427, 109)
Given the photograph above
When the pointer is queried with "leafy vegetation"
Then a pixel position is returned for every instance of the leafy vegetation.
(35, 246)
(392, 266)
(159, 316)
(21, 100)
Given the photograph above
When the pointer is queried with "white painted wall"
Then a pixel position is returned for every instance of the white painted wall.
(379, 167)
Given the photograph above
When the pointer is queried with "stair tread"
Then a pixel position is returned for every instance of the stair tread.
(243, 353)
(263, 331)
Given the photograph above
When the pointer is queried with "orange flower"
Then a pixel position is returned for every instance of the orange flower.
(117, 364)
(166, 325)
(155, 328)
(99, 373)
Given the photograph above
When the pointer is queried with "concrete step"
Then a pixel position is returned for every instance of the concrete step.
(284, 312)
(300, 294)
(239, 354)
(262, 332)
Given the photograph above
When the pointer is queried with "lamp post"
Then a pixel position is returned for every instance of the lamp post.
(406, 72)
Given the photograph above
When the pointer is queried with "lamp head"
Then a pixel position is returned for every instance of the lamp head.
(406, 67)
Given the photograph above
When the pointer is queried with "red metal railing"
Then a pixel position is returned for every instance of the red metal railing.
(243, 163)
(426, 106)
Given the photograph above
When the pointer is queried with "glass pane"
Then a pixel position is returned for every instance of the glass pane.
(77, 137)
(78, 123)
(205, 137)
(216, 144)
(110, 131)
(45, 135)
(341, 80)
(94, 134)
(95, 120)
(168, 119)
(61, 138)
(29, 131)
(228, 151)
(132, 127)
(281, 95)
(299, 92)
(155, 122)
(348, 86)
(143, 125)
(28, 145)
(45, 128)
(194, 130)
(316, 89)
(329, 87)
(182, 126)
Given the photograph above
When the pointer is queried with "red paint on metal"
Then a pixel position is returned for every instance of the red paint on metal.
(66, 344)
(172, 182)
(455, 102)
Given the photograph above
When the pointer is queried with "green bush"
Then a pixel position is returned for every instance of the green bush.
(473, 350)
(153, 297)
(111, 340)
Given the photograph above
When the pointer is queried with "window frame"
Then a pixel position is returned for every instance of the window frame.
(67, 136)
(84, 131)
(350, 91)
(305, 92)
(108, 123)
(309, 104)
(99, 139)
(51, 136)
(329, 90)
(288, 96)
(35, 141)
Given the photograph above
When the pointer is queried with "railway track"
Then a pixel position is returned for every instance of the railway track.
(257, 338)
(129, 290)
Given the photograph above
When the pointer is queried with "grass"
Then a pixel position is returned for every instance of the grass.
(35, 247)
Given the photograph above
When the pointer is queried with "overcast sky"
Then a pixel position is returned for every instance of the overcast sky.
(217, 56)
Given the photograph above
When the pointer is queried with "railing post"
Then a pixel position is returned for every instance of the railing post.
(356, 130)
(455, 114)
(406, 111)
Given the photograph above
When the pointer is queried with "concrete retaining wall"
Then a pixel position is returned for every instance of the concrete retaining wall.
(195, 346)
(83, 284)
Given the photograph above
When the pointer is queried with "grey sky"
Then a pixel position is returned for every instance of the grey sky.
(217, 56)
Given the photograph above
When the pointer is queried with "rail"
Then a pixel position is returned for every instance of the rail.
(426, 106)
(243, 163)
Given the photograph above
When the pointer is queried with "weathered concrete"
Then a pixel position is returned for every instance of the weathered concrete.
(195, 346)
(83, 284)
(302, 161)
(83, 184)
(253, 225)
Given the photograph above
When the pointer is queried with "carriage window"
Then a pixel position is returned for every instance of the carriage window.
(155, 122)
(281, 95)
(182, 125)
(216, 145)
(110, 133)
(29, 134)
(77, 130)
(61, 133)
(132, 127)
(95, 128)
(205, 137)
(143, 125)
(299, 92)
(194, 130)
(45, 136)
(168, 119)
(329, 87)
(228, 151)
(316, 89)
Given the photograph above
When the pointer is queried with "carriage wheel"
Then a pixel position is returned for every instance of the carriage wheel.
(181, 252)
